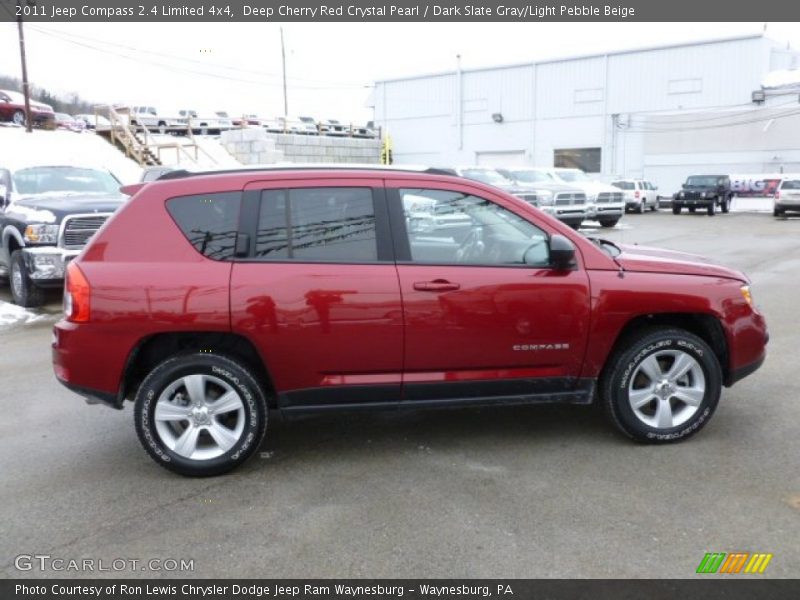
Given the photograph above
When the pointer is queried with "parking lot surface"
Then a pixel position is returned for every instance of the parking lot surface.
(540, 491)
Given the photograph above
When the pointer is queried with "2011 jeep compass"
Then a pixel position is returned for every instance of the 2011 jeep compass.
(210, 299)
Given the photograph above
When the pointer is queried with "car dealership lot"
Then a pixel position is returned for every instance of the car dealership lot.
(542, 491)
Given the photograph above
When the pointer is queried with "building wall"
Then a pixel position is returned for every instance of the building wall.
(587, 102)
(257, 146)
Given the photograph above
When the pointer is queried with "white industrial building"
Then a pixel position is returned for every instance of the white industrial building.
(726, 105)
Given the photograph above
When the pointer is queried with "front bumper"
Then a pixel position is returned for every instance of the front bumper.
(47, 264)
(694, 201)
(567, 214)
(604, 211)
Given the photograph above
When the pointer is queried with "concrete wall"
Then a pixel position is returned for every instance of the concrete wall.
(257, 146)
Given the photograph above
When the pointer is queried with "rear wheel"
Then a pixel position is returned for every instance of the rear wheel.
(662, 385)
(777, 212)
(200, 414)
(726, 205)
(23, 291)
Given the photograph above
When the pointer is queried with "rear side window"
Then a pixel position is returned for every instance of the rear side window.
(209, 222)
(790, 184)
(317, 224)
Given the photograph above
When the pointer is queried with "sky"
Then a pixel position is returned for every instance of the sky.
(236, 67)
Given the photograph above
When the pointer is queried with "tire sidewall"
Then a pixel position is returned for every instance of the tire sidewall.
(630, 360)
(255, 413)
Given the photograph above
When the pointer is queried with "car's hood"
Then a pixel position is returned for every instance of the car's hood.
(51, 208)
(553, 186)
(594, 187)
(658, 260)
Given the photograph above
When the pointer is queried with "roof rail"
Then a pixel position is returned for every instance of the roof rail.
(184, 173)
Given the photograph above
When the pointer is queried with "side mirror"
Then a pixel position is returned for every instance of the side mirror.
(562, 252)
(3, 195)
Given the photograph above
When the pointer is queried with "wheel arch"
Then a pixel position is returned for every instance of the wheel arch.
(705, 326)
(154, 349)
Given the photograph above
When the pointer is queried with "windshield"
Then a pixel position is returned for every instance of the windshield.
(486, 176)
(572, 176)
(532, 176)
(791, 184)
(702, 181)
(43, 180)
(623, 185)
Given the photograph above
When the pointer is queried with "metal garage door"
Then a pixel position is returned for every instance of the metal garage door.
(501, 159)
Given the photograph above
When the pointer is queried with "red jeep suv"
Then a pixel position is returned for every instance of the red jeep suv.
(210, 299)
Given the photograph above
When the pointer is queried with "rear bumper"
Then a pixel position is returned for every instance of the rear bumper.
(792, 206)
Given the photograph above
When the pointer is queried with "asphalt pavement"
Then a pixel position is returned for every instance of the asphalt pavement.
(540, 491)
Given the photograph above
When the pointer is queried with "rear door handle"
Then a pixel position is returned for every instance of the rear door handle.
(437, 285)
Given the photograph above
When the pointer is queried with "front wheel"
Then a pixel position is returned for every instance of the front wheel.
(23, 291)
(200, 414)
(676, 209)
(662, 386)
(18, 117)
(608, 222)
(712, 208)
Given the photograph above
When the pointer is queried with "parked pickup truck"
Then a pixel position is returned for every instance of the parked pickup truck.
(312, 289)
(704, 191)
(47, 214)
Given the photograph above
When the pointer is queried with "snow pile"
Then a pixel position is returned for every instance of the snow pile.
(19, 149)
(11, 314)
(784, 78)
(211, 153)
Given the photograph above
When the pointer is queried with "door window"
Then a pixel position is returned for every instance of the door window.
(317, 224)
(453, 228)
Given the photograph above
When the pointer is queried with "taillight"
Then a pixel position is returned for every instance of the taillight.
(777, 194)
(76, 295)
(636, 194)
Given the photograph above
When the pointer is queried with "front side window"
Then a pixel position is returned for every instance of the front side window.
(209, 222)
(317, 224)
(447, 227)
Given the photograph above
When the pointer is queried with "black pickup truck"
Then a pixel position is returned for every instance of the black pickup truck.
(47, 214)
(704, 191)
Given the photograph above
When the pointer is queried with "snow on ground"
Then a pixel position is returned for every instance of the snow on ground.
(19, 148)
(11, 314)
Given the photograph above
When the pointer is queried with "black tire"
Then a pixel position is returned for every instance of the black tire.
(639, 209)
(711, 210)
(18, 117)
(676, 209)
(608, 222)
(726, 205)
(776, 212)
(23, 291)
(221, 368)
(624, 365)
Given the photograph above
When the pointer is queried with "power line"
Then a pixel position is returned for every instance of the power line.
(91, 43)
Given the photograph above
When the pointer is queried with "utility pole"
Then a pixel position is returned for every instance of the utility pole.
(25, 86)
(283, 59)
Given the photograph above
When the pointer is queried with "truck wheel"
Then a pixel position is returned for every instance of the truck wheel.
(676, 209)
(608, 222)
(23, 291)
(661, 386)
(712, 208)
(200, 414)
(726, 205)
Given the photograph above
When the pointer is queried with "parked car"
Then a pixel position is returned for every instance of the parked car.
(203, 124)
(322, 298)
(147, 117)
(787, 197)
(12, 108)
(605, 202)
(94, 122)
(153, 172)
(333, 127)
(639, 194)
(47, 214)
(704, 191)
(65, 121)
(565, 202)
(252, 120)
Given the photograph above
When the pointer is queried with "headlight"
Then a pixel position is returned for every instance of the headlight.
(702, 194)
(41, 234)
(545, 197)
(748, 297)
(681, 195)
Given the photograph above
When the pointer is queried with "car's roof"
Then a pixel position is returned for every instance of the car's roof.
(294, 167)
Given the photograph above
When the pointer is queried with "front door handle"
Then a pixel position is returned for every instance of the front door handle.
(437, 285)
